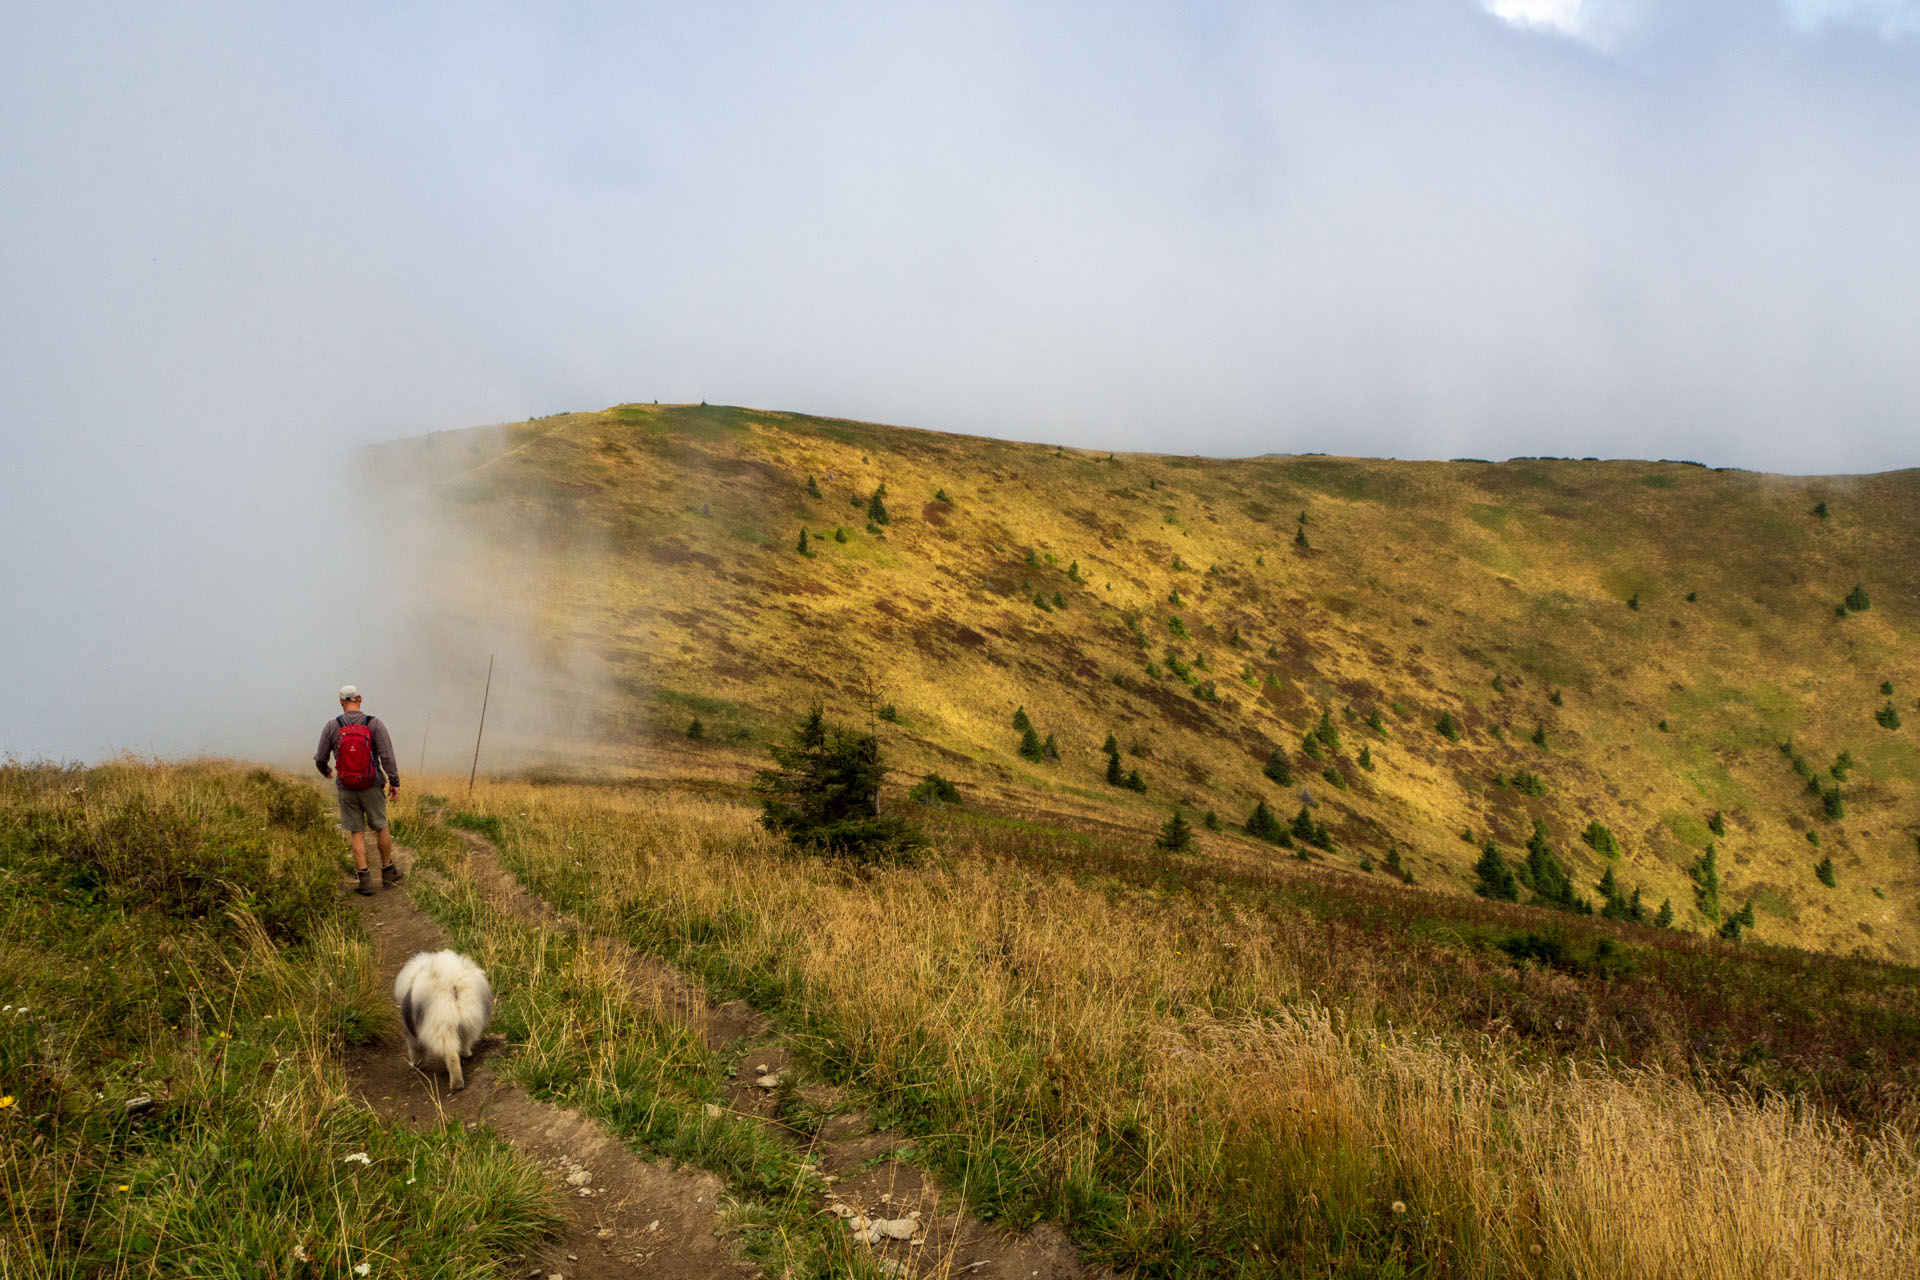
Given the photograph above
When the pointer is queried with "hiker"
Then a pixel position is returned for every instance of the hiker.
(356, 751)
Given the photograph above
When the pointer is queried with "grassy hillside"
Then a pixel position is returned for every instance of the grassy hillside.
(1633, 642)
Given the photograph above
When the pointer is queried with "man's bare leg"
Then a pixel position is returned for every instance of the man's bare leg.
(384, 838)
(358, 839)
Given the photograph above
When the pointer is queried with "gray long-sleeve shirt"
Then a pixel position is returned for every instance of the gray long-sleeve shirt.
(382, 747)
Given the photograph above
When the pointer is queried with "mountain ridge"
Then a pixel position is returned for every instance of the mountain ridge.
(1630, 643)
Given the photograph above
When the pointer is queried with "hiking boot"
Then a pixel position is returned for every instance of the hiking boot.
(365, 888)
(390, 875)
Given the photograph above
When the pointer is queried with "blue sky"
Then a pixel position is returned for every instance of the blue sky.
(237, 240)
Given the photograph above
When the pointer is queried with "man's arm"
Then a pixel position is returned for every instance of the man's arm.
(383, 748)
(328, 741)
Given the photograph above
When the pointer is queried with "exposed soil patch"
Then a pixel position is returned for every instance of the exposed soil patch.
(623, 1215)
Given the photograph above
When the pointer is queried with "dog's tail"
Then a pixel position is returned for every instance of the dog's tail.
(450, 1026)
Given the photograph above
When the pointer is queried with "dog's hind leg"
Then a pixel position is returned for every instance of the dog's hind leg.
(453, 1067)
(406, 1022)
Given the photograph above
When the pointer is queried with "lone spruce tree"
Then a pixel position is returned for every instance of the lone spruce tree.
(825, 795)
(1177, 835)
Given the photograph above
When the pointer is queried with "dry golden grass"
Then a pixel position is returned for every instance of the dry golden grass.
(1167, 1079)
(654, 547)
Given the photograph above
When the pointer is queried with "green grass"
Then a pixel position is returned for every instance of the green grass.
(241, 1165)
(581, 1038)
(1688, 828)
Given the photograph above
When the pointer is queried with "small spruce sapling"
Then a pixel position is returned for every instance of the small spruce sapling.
(1366, 757)
(1823, 872)
(696, 730)
(1555, 699)
(1020, 720)
(1030, 746)
(1277, 768)
(1717, 823)
(813, 488)
(1211, 821)
(1263, 825)
(1665, 919)
(1448, 729)
(1176, 835)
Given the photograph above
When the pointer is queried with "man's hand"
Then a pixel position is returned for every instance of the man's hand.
(393, 791)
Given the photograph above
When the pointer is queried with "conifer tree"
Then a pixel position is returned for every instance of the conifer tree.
(802, 546)
(1050, 749)
(1366, 757)
(1857, 601)
(1030, 747)
(1211, 821)
(877, 507)
(1539, 735)
(1177, 834)
(1706, 883)
(1824, 872)
(1325, 730)
(1665, 919)
(1551, 884)
(1300, 538)
(1112, 745)
(1115, 777)
(1277, 767)
(1020, 720)
(1375, 723)
(813, 488)
(1717, 823)
(1448, 729)
(1495, 877)
(826, 794)
(1263, 825)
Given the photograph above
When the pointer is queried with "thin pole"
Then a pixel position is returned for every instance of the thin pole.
(483, 727)
(423, 746)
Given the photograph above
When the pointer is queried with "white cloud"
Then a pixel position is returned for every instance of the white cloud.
(1562, 16)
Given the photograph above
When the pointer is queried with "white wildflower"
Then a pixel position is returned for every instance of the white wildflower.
(358, 1157)
(363, 1268)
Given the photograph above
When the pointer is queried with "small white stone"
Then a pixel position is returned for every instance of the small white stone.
(769, 1081)
(844, 1210)
(579, 1178)
(715, 1110)
(654, 1225)
(857, 1224)
(901, 1228)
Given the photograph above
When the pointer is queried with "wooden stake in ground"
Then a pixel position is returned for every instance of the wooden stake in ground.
(423, 749)
(482, 729)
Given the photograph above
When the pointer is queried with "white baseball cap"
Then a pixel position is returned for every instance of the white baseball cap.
(348, 693)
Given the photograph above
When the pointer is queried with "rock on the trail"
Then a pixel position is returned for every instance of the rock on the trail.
(769, 1081)
(579, 1178)
(900, 1228)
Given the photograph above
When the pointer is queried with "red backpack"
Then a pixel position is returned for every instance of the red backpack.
(353, 756)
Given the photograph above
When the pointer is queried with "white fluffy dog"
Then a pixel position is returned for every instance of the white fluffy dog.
(445, 1001)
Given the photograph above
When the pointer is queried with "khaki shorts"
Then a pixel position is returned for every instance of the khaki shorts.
(362, 809)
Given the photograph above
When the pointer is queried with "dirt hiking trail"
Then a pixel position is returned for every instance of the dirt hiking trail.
(631, 1217)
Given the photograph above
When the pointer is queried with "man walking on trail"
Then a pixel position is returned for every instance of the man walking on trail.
(356, 751)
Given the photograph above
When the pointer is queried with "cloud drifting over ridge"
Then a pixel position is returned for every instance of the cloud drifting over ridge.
(239, 240)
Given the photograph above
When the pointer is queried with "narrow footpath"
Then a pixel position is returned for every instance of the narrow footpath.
(631, 1217)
